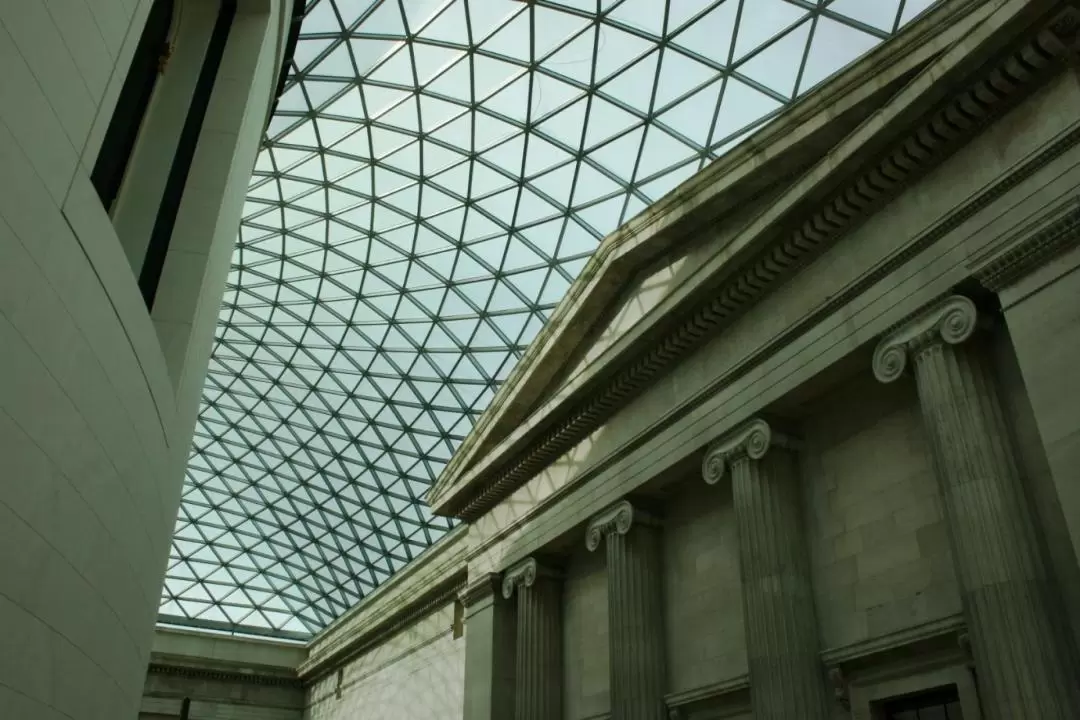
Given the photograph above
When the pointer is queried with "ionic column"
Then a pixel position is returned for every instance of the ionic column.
(786, 676)
(1024, 669)
(539, 640)
(635, 613)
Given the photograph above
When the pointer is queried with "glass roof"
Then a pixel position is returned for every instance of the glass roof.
(435, 176)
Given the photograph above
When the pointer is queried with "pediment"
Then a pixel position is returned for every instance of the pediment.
(716, 242)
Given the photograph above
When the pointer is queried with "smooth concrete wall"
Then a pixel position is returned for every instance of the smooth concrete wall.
(416, 674)
(91, 444)
(878, 541)
(702, 589)
(586, 681)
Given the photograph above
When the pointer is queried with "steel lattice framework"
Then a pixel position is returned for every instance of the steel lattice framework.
(435, 176)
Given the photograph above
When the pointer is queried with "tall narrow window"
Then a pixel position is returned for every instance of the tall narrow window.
(131, 105)
(157, 250)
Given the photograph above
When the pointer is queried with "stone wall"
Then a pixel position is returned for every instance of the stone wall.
(416, 674)
(585, 635)
(878, 541)
(702, 593)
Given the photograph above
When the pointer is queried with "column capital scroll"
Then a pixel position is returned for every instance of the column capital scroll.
(950, 321)
(752, 440)
(524, 574)
(618, 518)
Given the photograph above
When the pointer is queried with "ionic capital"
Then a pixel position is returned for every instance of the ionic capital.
(524, 575)
(618, 518)
(750, 440)
(951, 321)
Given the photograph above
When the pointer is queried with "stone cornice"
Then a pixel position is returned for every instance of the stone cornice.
(996, 88)
(950, 321)
(952, 625)
(777, 152)
(751, 440)
(677, 703)
(1057, 232)
(479, 589)
(618, 518)
(241, 677)
(524, 575)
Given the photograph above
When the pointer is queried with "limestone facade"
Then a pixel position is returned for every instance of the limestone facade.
(829, 466)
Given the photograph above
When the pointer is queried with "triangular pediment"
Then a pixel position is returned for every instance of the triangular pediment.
(693, 248)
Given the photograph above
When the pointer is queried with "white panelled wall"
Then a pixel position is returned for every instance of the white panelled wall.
(97, 399)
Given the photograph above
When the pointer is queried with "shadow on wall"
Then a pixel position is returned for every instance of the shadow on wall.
(417, 675)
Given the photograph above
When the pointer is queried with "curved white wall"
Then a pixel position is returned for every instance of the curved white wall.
(95, 416)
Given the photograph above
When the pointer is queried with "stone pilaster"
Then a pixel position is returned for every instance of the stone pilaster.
(635, 612)
(489, 650)
(787, 679)
(539, 640)
(1023, 666)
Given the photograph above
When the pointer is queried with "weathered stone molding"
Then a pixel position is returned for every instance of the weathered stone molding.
(720, 692)
(952, 321)
(752, 440)
(864, 650)
(985, 98)
(524, 574)
(1061, 233)
(230, 676)
(618, 518)
(478, 589)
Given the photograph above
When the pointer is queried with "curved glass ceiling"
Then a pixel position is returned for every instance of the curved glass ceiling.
(436, 175)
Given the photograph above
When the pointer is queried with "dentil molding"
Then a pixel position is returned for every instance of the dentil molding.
(952, 321)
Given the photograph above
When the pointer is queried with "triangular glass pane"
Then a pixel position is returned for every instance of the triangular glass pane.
(762, 20)
(881, 14)
(833, 46)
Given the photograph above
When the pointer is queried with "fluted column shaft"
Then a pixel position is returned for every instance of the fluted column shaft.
(635, 612)
(539, 640)
(786, 676)
(1024, 668)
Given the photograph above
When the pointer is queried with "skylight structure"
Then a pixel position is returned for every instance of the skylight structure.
(435, 176)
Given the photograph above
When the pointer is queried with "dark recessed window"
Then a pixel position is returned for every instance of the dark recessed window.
(119, 141)
(939, 704)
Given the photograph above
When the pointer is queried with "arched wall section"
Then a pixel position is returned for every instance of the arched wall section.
(93, 429)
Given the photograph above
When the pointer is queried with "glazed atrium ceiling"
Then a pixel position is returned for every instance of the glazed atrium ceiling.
(434, 177)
